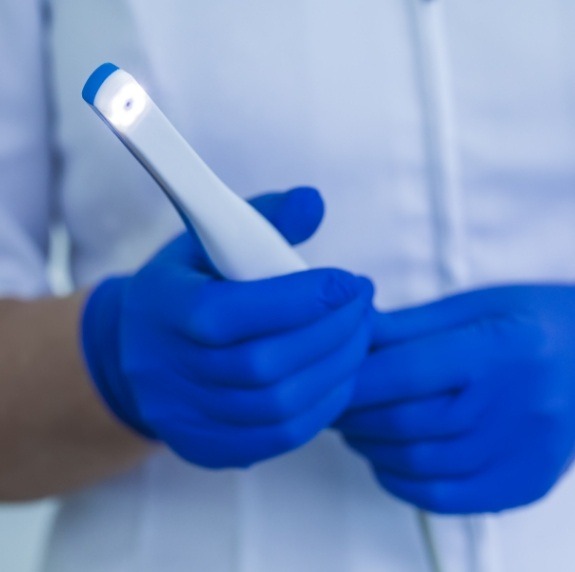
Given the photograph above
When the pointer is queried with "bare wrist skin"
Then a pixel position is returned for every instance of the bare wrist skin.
(56, 435)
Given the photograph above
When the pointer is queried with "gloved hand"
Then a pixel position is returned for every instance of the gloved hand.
(467, 405)
(229, 373)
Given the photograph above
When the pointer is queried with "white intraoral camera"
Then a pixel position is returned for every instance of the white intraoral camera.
(240, 242)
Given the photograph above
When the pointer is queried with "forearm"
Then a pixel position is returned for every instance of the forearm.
(55, 432)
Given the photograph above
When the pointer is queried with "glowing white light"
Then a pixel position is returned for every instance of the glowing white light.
(127, 105)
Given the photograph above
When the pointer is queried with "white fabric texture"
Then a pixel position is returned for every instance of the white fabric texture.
(25, 173)
(442, 135)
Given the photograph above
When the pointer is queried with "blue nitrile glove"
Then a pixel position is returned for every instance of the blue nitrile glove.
(468, 404)
(229, 373)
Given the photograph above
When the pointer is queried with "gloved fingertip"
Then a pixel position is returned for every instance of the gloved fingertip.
(341, 288)
(366, 286)
(306, 205)
(307, 199)
(296, 213)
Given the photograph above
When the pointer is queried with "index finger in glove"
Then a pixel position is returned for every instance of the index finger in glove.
(425, 367)
(220, 313)
(453, 312)
(437, 417)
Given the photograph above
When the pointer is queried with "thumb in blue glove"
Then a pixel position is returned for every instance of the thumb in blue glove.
(229, 373)
(468, 404)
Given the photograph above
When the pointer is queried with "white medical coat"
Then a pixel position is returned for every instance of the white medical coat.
(442, 135)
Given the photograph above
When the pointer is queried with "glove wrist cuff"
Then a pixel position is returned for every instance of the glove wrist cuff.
(100, 335)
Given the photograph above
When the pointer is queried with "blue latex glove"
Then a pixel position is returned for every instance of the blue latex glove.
(229, 373)
(468, 404)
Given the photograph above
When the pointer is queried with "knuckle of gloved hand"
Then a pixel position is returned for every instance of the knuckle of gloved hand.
(256, 407)
(282, 404)
(432, 496)
(288, 436)
(437, 498)
(541, 482)
(547, 482)
(416, 459)
(206, 322)
(258, 364)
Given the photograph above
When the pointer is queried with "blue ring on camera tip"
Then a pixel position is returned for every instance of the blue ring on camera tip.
(95, 81)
